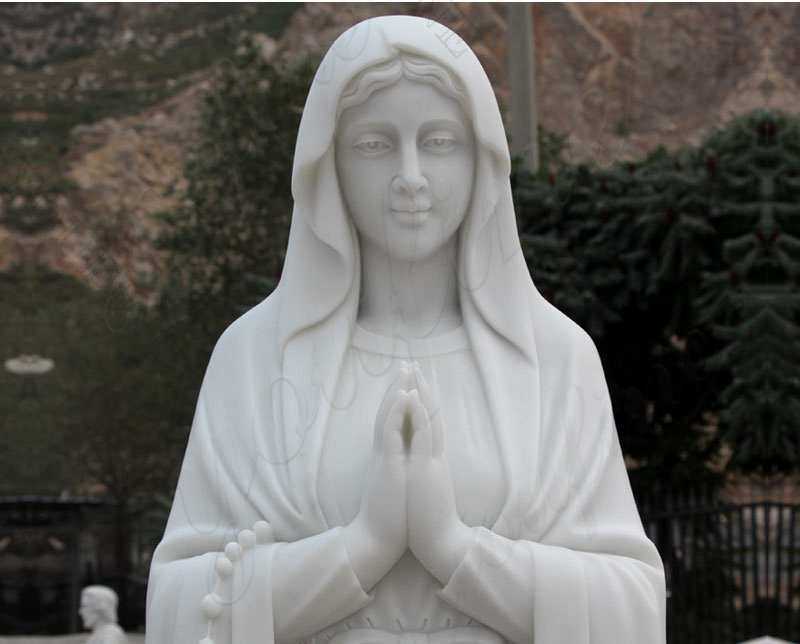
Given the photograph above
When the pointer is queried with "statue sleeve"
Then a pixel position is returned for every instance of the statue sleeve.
(591, 576)
(183, 570)
(316, 586)
(209, 510)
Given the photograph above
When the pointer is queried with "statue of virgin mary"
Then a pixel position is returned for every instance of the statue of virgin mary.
(404, 441)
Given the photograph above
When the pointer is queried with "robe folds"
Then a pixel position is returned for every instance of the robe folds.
(565, 562)
(576, 560)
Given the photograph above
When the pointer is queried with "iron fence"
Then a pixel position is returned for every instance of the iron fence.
(733, 571)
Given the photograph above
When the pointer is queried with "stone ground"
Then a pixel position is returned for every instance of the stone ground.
(63, 639)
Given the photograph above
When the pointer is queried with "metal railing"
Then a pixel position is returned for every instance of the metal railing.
(733, 570)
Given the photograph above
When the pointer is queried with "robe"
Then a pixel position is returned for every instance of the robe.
(407, 598)
(576, 567)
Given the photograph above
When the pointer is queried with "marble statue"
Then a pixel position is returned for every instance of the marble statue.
(404, 441)
(99, 614)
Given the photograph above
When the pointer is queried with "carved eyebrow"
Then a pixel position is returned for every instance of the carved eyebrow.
(359, 127)
(442, 123)
(388, 128)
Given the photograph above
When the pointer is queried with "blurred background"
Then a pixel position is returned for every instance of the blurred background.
(145, 165)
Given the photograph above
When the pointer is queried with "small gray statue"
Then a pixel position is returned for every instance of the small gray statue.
(99, 614)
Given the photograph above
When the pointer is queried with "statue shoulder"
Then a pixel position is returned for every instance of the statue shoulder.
(116, 635)
(561, 343)
(251, 336)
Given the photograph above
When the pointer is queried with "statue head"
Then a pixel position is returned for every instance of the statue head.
(383, 78)
(405, 155)
(98, 606)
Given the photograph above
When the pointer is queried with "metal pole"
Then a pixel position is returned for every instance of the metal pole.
(522, 76)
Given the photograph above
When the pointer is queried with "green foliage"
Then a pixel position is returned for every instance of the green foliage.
(228, 241)
(751, 294)
(112, 409)
(684, 267)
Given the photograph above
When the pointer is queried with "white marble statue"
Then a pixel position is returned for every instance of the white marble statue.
(404, 441)
(99, 614)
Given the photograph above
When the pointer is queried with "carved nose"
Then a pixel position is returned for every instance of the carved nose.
(409, 182)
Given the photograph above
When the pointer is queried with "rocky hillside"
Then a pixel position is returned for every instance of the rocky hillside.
(98, 107)
(620, 79)
(99, 102)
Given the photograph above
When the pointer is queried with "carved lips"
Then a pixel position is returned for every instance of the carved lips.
(411, 217)
(412, 213)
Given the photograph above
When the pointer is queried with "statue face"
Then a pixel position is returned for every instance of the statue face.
(405, 159)
(88, 612)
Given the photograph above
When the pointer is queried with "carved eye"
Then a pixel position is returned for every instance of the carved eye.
(373, 144)
(439, 142)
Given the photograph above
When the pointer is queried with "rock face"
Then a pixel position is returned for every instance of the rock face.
(123, 170)
(617, 79)
(102, 102)
(659, 74)
(127, 169)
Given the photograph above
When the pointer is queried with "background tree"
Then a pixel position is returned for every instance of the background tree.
(111, 418)
(228, 241)
(683, 267)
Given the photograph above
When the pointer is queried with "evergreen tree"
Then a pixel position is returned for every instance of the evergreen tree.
(752, 298)
(684, 268)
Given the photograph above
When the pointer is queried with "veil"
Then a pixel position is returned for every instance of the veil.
(318, 292)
